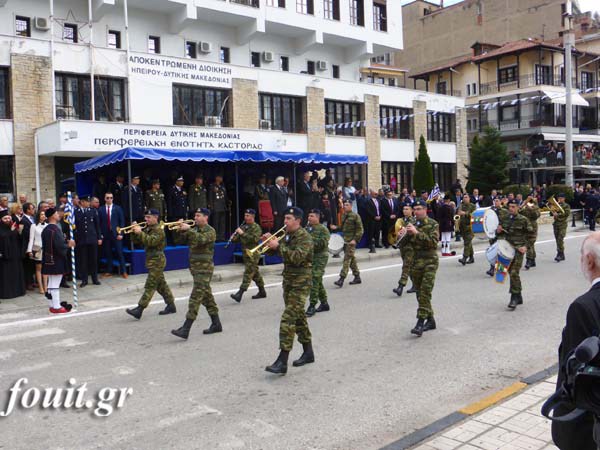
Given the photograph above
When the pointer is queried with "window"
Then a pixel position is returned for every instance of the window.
(6, 174)
(391, 82)
(395, 122)
(255, 59)
(285, 113)
(4, 95)
(442, 175)
(284, 63)
(23, 26)
(224, 55)
(153, 44)
(441, 88)
(474, 88)
(468, 90)
(379, 17)
(114, 39)
(587, 80)
(440, 127)
(346, 114)
(310, 67)
(193, 104)
(542, 74)
(109, 99)
(386, 59)
(336, 71)
(305, 6)
(508, 75)
(191, 49)
(331, 9)
(70, 33)
(399, 172)
(508, 113)
(277, 3)
(357, 12)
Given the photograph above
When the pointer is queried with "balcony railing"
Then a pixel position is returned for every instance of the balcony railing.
(525, 122)
(524, 81)
(253, 3)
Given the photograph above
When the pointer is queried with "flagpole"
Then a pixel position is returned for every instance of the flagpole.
(71, 237)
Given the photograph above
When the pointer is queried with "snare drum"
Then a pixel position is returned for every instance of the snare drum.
(336, 244)
(506, 253)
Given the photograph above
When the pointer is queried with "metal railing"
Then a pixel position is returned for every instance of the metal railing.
(525, 122)
(252, 3)
(524, 81)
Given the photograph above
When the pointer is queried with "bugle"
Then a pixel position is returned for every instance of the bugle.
(263, 247)
(129, 229)
(175, 225)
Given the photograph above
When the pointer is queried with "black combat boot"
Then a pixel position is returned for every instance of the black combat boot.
(411, 290)
(311, 311)
(135, 312)
(339, 282)
(169, 309)
(471, 260)
(418, 329)
(561, 255)
(528, 264)
(514, 301)
(532, 263)
(519, 299)
(280, 364)
(372, 249)
(463, 260)
(492, 270)
(307, 356)
(261, 293)
(429, 324)
(324, 306)
(184, 331)
(356, 280)
(238, 295)
(215, 326)
(398, 290)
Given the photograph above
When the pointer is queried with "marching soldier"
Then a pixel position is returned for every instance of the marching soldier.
(406, 252)
(153, 240)
(177, 201)
(465, 210)
(155, 199)
(500, 211)
(531, 211)
(249, 235)
(352, 229)
(201, 240)
(320, 236)
(198, 196)
(560, 227)
(137, 200)
(516, 229)
(424, 240)
(296, 249)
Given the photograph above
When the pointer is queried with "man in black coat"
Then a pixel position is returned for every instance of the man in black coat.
(306, 197)
(583, 321)
(592, 203)
(279, 197)
(374, 218)
(389, 210)
(137, 201)
(177, 201)
(27, 221)
(117, 188)
(88, 237)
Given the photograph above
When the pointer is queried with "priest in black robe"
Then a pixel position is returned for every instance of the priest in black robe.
(12, 278)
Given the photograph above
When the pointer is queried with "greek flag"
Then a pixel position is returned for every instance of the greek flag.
(69, 210)
(435, 193)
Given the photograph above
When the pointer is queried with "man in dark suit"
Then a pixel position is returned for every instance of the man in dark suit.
(389, 209)
(117, 188)
(279, 197)
(111, 218)
(305, 196)
(177, 201)
(583, 321)
(374, 215)
(27, 221)
(100, 188)
(137, 201)
(592, 203)
(87, 238)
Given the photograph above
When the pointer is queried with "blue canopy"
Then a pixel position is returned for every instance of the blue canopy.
(155, 154)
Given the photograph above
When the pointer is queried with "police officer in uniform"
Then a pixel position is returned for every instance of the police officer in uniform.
(153, 240)
(560, 227)
(177, 201)
(87, 237)
(406, 251)
(197, 195)
(155, 199)
(217, 203)
(352, 229)
(465, 210)
(249, 235)
(320, 236)
(137, 200)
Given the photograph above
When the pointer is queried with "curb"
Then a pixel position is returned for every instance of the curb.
(454, 418)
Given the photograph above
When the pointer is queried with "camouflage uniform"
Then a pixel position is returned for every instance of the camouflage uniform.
(516, 230)
(296, 249)
(425, 264)
(466, 229)
(202, 246)
(407, 253)
(532, 214)
(320, 236)
(249, 240)
(153, 240)
(560, 227)
(156, 200)
(352, 229)
(197, 197)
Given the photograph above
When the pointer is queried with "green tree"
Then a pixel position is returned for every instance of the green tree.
(423, 178)
(489, 163)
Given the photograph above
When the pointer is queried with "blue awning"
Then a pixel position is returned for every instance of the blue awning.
(155, 154)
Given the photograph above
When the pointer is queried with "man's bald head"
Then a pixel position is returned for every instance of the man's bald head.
(590, 256)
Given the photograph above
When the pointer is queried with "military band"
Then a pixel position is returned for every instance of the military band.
(320, 236)
(352, 231)
(407, 252)
(465, 212)
(531, 211)
(561, 218)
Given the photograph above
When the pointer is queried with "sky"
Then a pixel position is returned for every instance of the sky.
(586, 5)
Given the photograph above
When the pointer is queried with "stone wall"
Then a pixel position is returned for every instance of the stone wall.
(315, 116)
(462, 150)
(244, 105)
(373, 140)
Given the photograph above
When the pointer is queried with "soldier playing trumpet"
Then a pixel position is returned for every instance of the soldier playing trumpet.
(406, 250)
(531, 210)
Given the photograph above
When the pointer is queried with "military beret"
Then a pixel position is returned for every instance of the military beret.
(561, 194)
(135, 176)
(152, 212)
(203, 211)
(409, 204)
(85, 198)
(180, 178)
(250, 211)
(295, 211)
(316, 211)
(348, 201)
(419, 202)
(50, 212)
(513, 202)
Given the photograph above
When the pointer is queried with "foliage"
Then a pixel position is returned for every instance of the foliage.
(423, 177)
(488, 168)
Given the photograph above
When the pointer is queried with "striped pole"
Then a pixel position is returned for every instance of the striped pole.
(71, 237)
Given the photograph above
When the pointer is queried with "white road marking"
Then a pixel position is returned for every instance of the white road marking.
(200, 410)
(28, 369)
(261, 428)
(69, 342)
(123, 370)
(76, 314)
(31, 334)
(6, 354)
(102, 353)
(13, 316)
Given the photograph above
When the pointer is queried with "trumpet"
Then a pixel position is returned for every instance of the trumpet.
(456, 223)
(554, 206)
(263, 247)
(175, 225)
(129, 229)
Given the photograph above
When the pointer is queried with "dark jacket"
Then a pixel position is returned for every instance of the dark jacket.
(445, 216)
(87, 226)
(117, 192)
(117, 219)
(371, 209)
(279, 198)
(54, 256)
(137, 202)
(177, 203)
(305, 197)
(387, 211)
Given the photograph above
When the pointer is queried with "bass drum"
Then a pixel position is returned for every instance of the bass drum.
(336, 244)
(491, 253)
(490, 223)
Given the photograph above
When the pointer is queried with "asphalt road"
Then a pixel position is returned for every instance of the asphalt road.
(372, 382)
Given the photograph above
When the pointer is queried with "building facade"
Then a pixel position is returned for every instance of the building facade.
(89, 78)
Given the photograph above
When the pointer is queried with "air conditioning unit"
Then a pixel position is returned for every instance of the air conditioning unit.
(205, 47)
(264, 124)
(268, 57)
(61, 113)
(212, 121)
(330, 130)
(322, 65)
(41, 23)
